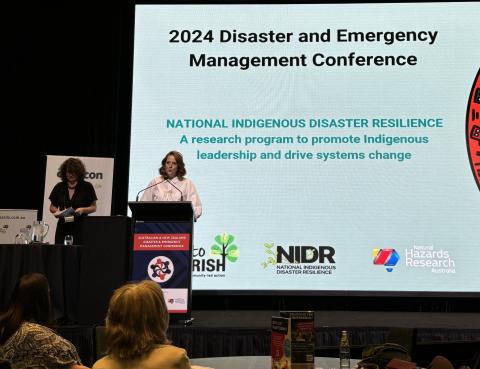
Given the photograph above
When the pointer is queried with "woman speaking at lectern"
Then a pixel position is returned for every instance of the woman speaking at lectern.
(171, 184)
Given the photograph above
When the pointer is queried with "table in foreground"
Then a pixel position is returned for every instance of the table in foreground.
(260, 362)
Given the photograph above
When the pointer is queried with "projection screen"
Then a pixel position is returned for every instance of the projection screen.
(335, 147)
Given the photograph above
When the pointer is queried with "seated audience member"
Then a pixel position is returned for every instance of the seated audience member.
(440, 362)
(136, 326)
(25, 339)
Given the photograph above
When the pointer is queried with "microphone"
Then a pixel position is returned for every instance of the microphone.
(146, 188)
(181, 193)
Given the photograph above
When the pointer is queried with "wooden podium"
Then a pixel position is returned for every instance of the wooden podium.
(162, 238)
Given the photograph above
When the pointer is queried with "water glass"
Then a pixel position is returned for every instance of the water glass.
(23, 237)
(68, 240)
(20, 239)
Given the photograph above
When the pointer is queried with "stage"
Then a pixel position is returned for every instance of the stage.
(216, 333)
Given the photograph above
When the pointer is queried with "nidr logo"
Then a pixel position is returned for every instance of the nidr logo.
(306, 254)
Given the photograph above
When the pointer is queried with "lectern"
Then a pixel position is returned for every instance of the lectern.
(104, 265)
(162, 250)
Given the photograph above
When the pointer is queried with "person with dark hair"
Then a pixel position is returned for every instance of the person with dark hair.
(25, 339)
(136, 331)
(72, 192)
(171, 184)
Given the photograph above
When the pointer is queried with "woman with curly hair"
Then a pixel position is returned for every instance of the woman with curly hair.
(136, 326)
(72, 192)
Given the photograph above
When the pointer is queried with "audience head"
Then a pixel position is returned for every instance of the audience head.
(440, 362)
(30, 302)
(137, 320)
(72, 166)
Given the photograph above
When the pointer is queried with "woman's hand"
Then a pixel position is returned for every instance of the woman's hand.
(54, 210)
(88, 210)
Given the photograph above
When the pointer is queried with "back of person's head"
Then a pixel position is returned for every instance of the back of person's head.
(137, 320)
(30, 303)
(440, 362)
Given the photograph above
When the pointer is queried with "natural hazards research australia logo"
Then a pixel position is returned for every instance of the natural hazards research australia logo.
(299, 259)
(214, 263)
(438, 261)
(160, 269)
(386, 257)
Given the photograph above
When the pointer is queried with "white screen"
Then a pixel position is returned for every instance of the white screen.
(398, 178)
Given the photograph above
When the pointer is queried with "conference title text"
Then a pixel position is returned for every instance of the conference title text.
(317, 58)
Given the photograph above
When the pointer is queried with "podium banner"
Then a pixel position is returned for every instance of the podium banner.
(161, 252)
(99, 173)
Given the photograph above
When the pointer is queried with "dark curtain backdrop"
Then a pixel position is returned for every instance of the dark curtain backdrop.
(66, 75)
(66, 80)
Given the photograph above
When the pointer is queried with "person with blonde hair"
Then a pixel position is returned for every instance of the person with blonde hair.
(136, 327)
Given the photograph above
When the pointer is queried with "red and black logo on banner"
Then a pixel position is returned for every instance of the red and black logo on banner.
(473, 128)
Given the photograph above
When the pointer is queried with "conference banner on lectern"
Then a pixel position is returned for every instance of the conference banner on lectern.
(162, 253)
(335, 147)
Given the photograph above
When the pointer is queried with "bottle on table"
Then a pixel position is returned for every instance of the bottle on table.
(344, 353)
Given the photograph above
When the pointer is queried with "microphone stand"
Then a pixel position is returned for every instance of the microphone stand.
(181, 193)
(146, 188)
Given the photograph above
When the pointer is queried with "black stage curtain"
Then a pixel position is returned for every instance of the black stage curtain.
(66, 76)
(59, 263)
(213, 342)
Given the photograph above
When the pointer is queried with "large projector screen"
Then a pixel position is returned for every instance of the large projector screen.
(330, 144)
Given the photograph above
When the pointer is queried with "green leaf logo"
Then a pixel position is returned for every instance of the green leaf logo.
(272, 258)
(225, 248)
(232, 253)
(216, 250)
